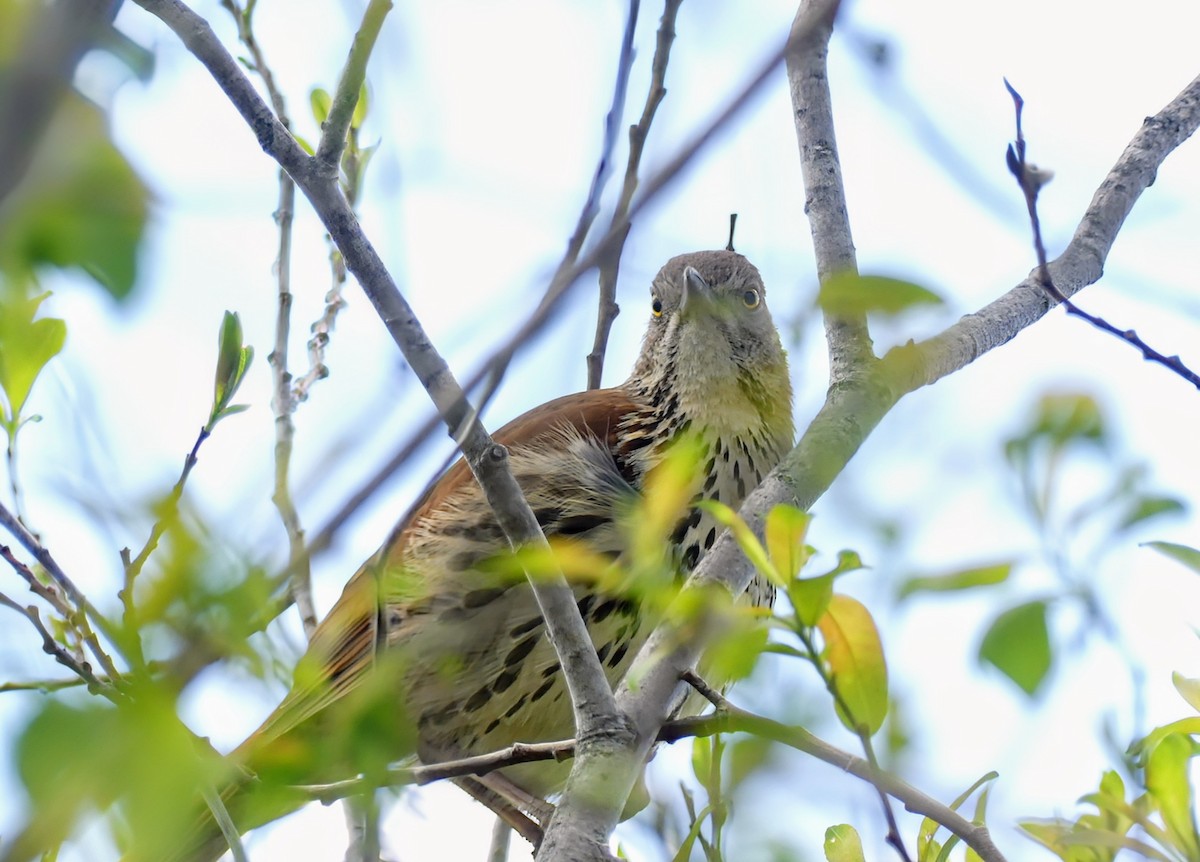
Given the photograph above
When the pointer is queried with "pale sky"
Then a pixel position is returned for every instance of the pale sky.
(489, 121)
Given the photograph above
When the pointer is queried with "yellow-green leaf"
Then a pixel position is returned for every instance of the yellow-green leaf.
(745, 538)
(26, 345)
(964, 579)
(784, 530)
(854, 655)
(849, 294)
(842, 844)
(320, 102)
(1168, 785)
(1188, 688)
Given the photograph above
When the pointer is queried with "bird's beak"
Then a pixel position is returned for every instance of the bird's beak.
(695, 288)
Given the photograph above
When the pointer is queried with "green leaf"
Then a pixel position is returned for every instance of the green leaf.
(233, 361)
(784, 530)
(148, 759)
(320, 102)
(850, 295)
(80, 204)
(1190, 557)
(1146, 507)
(854, 656)
(927, 848)
(26, 346)
(1063, 417)
(1018, 645)
(360, 108)
(964, 579)
(842, 844)
(1168, 785)
(1188, 688)
(810, 598)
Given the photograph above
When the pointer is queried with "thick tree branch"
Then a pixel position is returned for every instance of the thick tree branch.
(847, 338)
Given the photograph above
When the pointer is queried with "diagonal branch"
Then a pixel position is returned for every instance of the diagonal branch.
(591, 696)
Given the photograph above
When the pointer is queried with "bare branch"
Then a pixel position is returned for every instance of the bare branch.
(62, 655)
(1031, 179)
(608, 309)
(283, 403)
(83, 609)
(848, 340)
(1080, 264)
(591, 205)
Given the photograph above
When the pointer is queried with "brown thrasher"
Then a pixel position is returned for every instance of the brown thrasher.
(426, 630)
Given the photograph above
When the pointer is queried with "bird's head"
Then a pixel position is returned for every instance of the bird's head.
(712, 342)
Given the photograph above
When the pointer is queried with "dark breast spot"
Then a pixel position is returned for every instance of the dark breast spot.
(517, 654)
(476, 701)
(691, 556)
(710, 538)
(479, 598)
(618, 654)
(505, 679)
(525, 627)
(577, 524)
(542, 689)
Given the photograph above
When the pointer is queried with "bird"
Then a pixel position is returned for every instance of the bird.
(431, 651)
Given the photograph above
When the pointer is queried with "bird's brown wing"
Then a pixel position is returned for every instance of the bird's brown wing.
(345, 644)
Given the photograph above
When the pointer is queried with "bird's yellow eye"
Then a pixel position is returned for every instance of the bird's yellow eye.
(656, 307)
(750, 298)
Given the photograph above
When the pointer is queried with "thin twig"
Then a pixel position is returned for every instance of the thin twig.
(216, 805)
(608, 309)
(864, 738)
(282, 403)
(730, 718)
(1031, 180)
(83, 609)
(727, 719)
(591, 204)
(43, 686)
(62, 655)
(345, 97)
